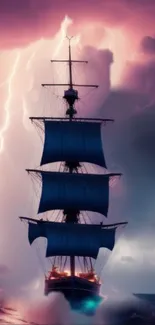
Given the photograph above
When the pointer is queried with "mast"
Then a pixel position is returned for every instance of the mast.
(71, 95)
(71, 114)
(70, 65)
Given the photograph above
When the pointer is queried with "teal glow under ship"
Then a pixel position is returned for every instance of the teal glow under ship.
(72, 243)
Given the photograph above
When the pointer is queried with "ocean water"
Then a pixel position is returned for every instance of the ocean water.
(141, 313)
(10, 316)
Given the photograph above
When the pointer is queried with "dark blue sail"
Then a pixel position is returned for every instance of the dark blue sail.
(72, 239)
(35, 232)
(73, 142)
(84, 192)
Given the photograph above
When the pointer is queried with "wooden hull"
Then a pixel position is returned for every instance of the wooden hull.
(82, 294)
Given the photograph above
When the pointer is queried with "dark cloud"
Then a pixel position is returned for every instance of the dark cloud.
(132, 148)
(128, 312)
(99, 60)
(123, 103)
(139, 164)
(129, 144)
(4, 270)
(127, 259)
(148, 45)
(133, 137)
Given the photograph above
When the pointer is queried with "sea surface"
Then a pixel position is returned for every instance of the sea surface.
(130, 315)
(10, 316)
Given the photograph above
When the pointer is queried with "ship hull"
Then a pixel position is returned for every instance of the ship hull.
(82, 295)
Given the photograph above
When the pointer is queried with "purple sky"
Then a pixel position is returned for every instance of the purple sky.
(21, 21)
(129, 143)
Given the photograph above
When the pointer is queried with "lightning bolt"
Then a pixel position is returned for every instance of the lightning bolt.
(3, 83)
(28, 67)
(6, 81)
(8, 101)
(25, 112)
(29, 62)
(60, 37)
(62, 34)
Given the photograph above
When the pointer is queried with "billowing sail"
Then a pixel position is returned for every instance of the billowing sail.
(84, 192)
(65, 239)
(75, 141)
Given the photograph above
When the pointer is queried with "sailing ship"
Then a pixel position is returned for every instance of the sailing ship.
(75, 142)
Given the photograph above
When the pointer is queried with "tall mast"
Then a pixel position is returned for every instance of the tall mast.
(71, 114)
(70, 65)
(70, 95)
